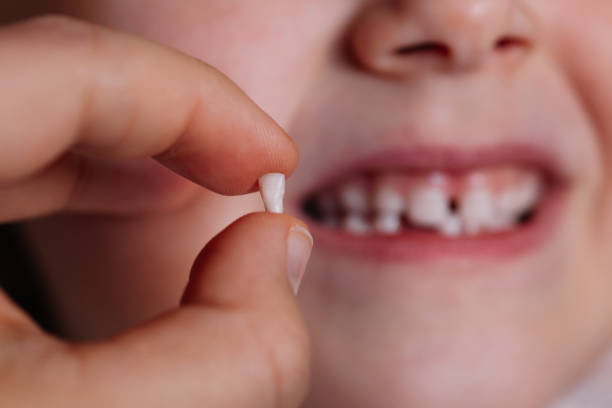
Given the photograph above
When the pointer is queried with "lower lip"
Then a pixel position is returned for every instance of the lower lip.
(425, 246)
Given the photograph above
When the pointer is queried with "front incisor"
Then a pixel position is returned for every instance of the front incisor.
(272, 190)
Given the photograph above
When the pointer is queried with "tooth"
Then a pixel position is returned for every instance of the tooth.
(387, 199)
(388, 223)
(438, 178)
(500, 223)
(272, 190)
(356, 224)
(428, 207)
(477, 210)
(452, 226)
(515, 200)
(354, 197)
(476, 179)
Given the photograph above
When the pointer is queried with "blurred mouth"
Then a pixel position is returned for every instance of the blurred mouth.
(435, 203)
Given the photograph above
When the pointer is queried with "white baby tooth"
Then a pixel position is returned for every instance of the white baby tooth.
(476, 179)
(517, 199)
(428, 207)
(272, 189)
(388, 204)
(500, 223)
(387, 199)
(388, 223)
(356, 224)
(438, 178)
(354, 197)
(452, 226)
(477, 210)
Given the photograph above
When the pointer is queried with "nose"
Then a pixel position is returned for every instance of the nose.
(401, 37)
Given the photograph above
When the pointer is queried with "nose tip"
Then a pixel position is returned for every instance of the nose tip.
(401, 37)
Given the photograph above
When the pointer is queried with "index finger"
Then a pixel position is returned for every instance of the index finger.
(71, 84)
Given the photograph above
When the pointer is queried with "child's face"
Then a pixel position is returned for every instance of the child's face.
(415, 318)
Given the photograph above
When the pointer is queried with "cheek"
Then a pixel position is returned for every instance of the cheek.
(584, 53)
(271, 51)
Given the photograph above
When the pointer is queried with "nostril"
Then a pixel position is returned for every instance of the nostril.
(428, 47)
(508, 42)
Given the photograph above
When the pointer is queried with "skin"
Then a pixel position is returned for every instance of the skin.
(428, 338)
(221, 331)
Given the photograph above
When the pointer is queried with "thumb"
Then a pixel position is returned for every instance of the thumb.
(238, 339)
(237, 267)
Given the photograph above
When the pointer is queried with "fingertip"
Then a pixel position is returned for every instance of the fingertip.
(244, 262)
(234, 168)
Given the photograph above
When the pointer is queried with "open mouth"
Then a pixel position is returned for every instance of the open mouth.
(499, 205)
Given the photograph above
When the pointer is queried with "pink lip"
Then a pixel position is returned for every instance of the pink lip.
(415, 245)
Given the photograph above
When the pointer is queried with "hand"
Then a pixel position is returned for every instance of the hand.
(73, 93)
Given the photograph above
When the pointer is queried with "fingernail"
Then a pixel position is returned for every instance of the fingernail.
(272, 189)
(299, 247)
